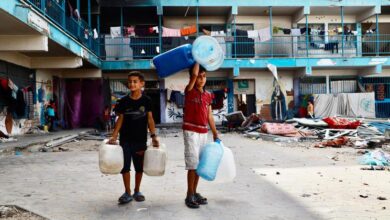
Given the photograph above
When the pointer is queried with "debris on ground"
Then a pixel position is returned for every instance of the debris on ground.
(381, 198)
(17, 213)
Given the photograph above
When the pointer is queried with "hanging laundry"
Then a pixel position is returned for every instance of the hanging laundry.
(265, 34)
(296, 32)
(155, 29)
(169, 32)
(143, 31)
(286, 31)
(169, 92)
(41, 95)
(86, 34)
(253, 34)
(178, 98)
(129, 31)
(115, 32)
(217, 33)
(13, 87)
(76, 14)
(306, 30)
(219, 96)
(188, 30)
(95, 34)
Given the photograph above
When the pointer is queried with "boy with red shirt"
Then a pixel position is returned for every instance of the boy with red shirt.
(197, 114)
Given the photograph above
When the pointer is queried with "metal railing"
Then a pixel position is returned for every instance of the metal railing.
(55, 10)
(124, 48)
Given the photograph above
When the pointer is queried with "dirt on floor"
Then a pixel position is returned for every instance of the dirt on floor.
(17, 213)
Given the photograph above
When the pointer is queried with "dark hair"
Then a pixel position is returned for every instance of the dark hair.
(201, 69)
(137, 74)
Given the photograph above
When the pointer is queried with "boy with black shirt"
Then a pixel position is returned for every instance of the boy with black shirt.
(135, 116)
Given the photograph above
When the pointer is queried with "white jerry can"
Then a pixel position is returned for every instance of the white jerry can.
(155, 160)
(227, 168)
(110, 158)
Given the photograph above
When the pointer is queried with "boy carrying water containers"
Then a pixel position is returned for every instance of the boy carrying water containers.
(135, 116)
(197, 114)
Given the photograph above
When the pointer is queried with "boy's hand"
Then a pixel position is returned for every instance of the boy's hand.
(155, 142)
(195, 70)
(112, 140)
(215, 137)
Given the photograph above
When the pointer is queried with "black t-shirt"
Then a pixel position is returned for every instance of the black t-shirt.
(135, 119)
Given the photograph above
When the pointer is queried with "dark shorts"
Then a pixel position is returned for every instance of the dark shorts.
(135, 152)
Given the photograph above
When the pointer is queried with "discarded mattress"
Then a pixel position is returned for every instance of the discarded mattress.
(278, 128)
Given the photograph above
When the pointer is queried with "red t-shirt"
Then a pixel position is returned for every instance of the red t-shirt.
(196, 110)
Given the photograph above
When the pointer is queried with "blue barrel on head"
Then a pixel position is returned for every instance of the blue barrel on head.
(209, 161)
(174, 60)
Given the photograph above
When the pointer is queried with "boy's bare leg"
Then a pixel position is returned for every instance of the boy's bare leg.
(138, 178)
(196, 182)
(191, 176)
(126, 182)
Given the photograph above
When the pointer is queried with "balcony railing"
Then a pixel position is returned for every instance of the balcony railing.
(126, 48)
(78, 28)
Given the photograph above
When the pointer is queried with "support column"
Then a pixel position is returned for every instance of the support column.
(78, 22)
(342, 32)
(64, 14)
(230, 96)
(307, 36)
(358, 41)
(197, 20)
(327, 84)
(377, 34)
(270, 25)
(89, 14)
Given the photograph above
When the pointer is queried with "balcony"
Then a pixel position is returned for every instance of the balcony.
(305, 46)
(55, 11)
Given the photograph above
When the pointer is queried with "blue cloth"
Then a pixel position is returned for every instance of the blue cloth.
(381, 126)
(41, 95)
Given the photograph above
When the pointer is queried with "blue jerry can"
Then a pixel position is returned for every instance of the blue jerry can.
(174, 60)
(209, 161)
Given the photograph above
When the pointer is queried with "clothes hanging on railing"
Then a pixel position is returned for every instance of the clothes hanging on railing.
(244, 46)
(188, 30)
(129, 31)
(170, 32)
(265, 34)
(178, 98)
(115, 32)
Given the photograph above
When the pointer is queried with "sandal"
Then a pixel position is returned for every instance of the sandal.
(191, 202)
(200, 199)
(139, 197)
(125, 198)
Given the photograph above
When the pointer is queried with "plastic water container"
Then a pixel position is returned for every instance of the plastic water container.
(210, 158)
(174, 60)
(227, 168)
(155, 160)
(207, 52)
(110, 158)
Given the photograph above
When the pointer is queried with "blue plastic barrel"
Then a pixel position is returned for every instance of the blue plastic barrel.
(174, 60)
(209, 161)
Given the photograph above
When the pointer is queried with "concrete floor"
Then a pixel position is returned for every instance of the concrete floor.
(68, 185)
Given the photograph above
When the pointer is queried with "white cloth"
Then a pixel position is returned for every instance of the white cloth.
(155, 28)
(217, 33)
(253, 34)
(193, 145)
(115, 32)
(296, 32)
(265, 34)
(95, 34)
(345, 104)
